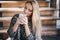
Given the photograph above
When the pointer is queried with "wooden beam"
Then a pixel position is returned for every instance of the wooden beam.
(8, 1)
(11, 9)
(49, 33)
(21, 9)
(3, 31)
(5, 18)
(21, 3)
(42, 18)
(49, 28)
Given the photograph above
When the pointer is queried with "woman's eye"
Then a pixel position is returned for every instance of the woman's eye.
(25, 8)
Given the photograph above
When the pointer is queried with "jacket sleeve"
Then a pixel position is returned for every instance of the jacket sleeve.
(31, 37)
(10, 30)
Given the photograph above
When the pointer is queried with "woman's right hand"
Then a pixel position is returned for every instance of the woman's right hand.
(18, 21)
(16, 25)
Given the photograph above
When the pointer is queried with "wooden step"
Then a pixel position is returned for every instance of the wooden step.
(13, 11)
(42, 13)
(43, 33)
(10, 14)
(21, 9)
(16, 4)
(5, 18)
(21, 4)
(8, 1)
(46, 29)
(49, 22)
(47, 11)
(46, 19)
(43, 4)
(49, 33)
(6, 23)
(22, 1)
(3, 31)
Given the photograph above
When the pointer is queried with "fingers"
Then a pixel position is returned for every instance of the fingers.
(24, 20)
(18, 21)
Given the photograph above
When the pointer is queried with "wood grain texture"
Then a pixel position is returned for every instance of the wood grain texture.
(21, 4)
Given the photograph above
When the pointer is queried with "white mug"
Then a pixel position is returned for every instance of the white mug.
(21, 16)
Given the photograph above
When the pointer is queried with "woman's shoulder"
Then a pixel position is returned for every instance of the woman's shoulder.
(16, 15)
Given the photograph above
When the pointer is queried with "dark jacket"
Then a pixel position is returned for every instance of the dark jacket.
(20, 32)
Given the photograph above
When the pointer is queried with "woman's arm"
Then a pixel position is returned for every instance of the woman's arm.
(31, 37)
(10, 31)
(27, 30)
(28, 33)
(16, 25)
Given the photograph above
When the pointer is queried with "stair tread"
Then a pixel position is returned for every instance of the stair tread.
(21, 9)
(42, 18)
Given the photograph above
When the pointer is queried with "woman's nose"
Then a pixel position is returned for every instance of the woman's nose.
(26, 10)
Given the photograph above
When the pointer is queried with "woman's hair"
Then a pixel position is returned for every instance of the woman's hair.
(36, 20)
(36, 23)
(29, 2)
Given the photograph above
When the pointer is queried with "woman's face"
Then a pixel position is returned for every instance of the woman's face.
(28, 10)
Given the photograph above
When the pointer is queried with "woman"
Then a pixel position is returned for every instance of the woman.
(31, 29)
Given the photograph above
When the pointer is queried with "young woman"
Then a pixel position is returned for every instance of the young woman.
(30, 28)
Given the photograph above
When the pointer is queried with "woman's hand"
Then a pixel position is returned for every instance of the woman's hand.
(23, 20)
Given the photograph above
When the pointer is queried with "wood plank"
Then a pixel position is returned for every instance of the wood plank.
(10, 14)
(3, 31)
(6, 23)
(47, 13)
(5, 18)
(42, 13)
(45, 22)
(43, 33)
(21, 9)
(13, 11)
(48, 18)
(8, 1)
(9, 18)
(21, 4)
(16, 4)
(48, 21)
(49, 33)
(46, 29)
(43, 4)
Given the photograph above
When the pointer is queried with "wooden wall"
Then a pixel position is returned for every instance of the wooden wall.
(47, 24)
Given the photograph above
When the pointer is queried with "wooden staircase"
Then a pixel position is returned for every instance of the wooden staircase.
(48, 20)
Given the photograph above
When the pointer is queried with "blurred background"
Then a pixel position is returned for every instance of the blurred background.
(49, 13)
